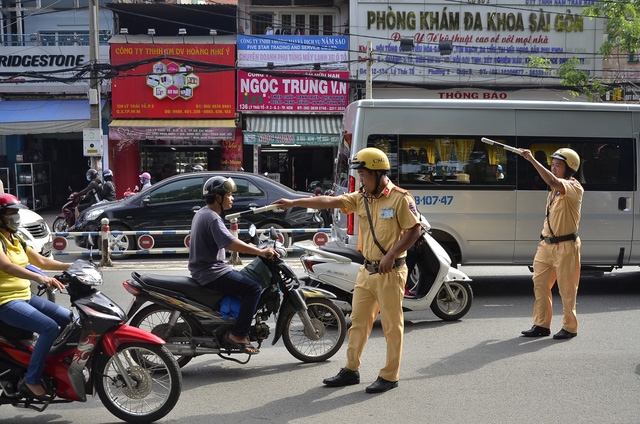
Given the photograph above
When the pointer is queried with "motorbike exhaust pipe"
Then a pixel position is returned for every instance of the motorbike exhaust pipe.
(191, 351)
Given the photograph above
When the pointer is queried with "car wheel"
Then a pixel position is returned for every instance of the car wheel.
(121, 242)
(286, 237)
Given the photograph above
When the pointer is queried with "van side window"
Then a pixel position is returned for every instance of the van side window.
(604, 163)
(388, 143)
(452, 161)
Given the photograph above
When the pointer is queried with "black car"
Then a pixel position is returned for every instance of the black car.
(171, 204)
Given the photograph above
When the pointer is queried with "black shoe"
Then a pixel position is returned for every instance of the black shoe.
(564, 334)
(536, 331)
(25, 390)
(344, 378)
(381, 385)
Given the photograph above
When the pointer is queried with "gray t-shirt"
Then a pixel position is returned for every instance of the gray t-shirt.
(209, 237)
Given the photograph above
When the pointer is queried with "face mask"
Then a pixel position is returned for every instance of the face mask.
(13, 222)
(88, 179)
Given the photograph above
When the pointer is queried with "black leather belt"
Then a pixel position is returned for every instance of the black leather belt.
(372, 267)
(559, 239)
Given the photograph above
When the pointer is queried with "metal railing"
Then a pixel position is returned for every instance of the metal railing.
(61, 242)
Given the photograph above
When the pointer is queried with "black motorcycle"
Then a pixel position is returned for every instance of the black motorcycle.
(189, 319)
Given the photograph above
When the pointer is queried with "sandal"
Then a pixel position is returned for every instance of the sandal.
(25, 390)
(247, 348)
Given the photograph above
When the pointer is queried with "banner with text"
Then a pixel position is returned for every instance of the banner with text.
(328, 51)
(492, 40)
(174, 81)
(298, 91)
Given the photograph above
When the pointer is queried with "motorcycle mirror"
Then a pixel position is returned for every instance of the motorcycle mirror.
(273, 234)
(252, 230)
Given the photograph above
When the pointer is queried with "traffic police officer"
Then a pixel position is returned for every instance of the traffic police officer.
(388, 229)
(558, 255)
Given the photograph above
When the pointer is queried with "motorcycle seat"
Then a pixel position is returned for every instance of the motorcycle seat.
(354, 255)
(14, 333)
(185, 285)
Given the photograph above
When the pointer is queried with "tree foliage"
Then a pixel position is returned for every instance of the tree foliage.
(623, 26)
(622, 35)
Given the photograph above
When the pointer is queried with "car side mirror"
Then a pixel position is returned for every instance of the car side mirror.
(146, 201)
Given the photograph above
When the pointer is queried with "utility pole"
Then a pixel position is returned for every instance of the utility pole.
(95, 117)
(369, 84)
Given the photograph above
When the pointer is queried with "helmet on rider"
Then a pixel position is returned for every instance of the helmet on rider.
(92, 174)
(197, 168)
(570, 157)
(218, 185)
(107, 173)
(12, 222)
(370, 158)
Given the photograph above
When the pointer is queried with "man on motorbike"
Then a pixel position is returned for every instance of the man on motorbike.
(108, 186)
(389, 224)
(18, 307)
(209, 240)
(91, 193)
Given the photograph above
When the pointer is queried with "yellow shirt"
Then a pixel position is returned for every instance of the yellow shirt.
(564, 210)
(392, 213)
(11, 287)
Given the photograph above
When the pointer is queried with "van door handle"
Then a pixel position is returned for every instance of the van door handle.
(624, 204)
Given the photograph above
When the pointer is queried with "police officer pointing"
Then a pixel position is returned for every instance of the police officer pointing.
(379, 288)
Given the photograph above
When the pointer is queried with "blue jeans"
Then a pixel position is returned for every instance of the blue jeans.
(41, 316)
(249, 291)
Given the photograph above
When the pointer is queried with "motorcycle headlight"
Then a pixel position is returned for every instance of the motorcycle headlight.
(93, 214)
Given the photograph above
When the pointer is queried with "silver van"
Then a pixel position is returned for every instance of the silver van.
(485, 204)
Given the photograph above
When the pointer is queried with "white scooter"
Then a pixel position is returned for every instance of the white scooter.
(432, 282)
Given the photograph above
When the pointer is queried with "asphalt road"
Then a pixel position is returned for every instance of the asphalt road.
(475, 370)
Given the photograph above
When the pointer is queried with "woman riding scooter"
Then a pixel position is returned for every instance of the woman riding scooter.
(18, 307)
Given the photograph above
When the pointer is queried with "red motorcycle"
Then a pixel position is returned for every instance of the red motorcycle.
(135, 376)
(67, 216)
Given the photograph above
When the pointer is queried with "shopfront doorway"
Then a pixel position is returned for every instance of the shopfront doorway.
(297, 167)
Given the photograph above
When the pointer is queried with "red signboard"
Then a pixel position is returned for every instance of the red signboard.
(179, 81)
(310, 91)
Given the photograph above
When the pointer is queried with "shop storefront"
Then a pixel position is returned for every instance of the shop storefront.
(292, 116)
(293, 149)
(174, 110)
(42, 121)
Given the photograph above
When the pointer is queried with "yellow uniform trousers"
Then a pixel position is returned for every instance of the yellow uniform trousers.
(373, 294)
(559, 262)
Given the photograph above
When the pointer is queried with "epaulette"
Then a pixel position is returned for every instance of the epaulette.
(401, 190)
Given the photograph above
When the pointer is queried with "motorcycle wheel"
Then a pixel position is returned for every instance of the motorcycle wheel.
(156, 387)
(450, 309)
(60, 225)
(328, 320)
(155, 318)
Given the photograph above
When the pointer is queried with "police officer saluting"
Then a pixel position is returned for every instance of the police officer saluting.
(389, 225)
(558, 255)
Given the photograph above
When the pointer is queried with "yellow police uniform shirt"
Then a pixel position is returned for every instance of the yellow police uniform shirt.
(564, 209)
(392, 213)
(11, 287)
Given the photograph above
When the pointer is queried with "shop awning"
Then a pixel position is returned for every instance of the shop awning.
(43, 116)
(323, 130)
(172, 129)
